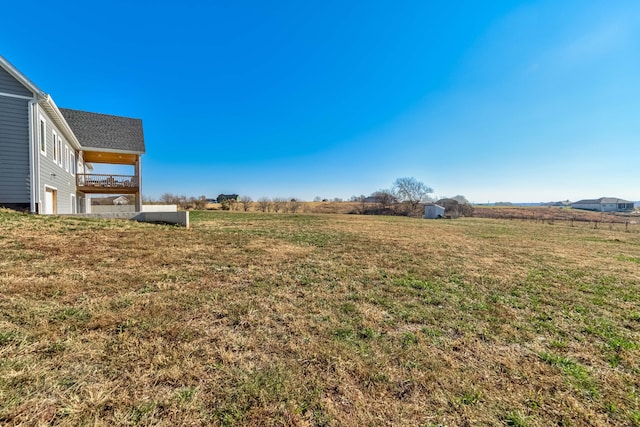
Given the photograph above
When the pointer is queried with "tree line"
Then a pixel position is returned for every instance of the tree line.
(406, 196)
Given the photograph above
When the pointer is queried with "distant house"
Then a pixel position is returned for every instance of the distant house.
(561, 204)
(122, 200)
(224, 197)
(47, 153)
(433, 211)
(604, 204)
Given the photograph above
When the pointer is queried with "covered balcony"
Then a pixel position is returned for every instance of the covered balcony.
(100, 183)
(108, 181)
(110, 150)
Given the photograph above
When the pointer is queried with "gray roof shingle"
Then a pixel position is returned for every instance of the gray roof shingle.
(103, 131)
(600, 201)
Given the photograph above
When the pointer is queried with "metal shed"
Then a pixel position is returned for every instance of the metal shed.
(433, 211)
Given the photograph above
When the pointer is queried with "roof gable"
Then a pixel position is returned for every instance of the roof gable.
(14, 82)
(613, 200)
(105, 132)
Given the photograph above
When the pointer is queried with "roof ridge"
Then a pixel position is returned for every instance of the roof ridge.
(98, 114)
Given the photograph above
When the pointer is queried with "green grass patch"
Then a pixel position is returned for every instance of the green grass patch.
(578, 373)
(628, 258)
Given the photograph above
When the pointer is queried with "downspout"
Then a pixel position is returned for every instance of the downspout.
(34, 163)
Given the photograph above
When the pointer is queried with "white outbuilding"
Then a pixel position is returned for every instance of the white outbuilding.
(433, 211)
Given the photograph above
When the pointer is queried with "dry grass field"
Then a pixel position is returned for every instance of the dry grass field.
(318, 320)
(529, 213)
(540, 213)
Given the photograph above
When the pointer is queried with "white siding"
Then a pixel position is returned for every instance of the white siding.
(587, 206)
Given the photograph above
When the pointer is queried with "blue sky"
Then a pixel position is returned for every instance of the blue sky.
(497, 101)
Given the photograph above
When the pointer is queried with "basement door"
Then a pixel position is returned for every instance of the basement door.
(50, 199)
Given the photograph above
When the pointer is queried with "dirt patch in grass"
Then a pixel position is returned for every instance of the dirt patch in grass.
(258, 319)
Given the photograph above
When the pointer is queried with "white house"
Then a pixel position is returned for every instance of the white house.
(122, 200)
(604, 204)
(47, 153)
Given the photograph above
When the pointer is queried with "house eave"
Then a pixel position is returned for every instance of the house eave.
(111, 150)
(51, 108)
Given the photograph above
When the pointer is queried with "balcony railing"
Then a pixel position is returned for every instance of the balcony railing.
(99, 180)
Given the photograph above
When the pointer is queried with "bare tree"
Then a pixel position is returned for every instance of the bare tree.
(169, 199)
(294, 205)
(245, 201)
(362, 203)
(278, 204)
(460, 199)
(264, 204)
(385, 198)
(412, 192)
(198, 203)
(226, 205)
(183, 201)
(455, 208)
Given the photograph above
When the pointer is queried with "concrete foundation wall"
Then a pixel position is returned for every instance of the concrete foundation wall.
(159, 208)
(112, 208)
(176, 218)
(132, 208)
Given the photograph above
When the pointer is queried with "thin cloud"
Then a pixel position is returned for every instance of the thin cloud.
(601, 41)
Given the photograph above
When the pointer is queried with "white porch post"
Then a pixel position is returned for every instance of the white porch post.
(138, 173)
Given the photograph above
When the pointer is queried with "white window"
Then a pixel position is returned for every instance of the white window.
(74, 208)
(66, 158)
(56, 152)
(72, 162)
(59, 151)
(43, 137)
